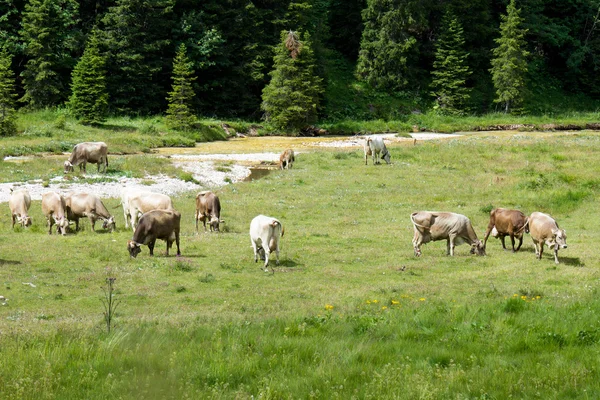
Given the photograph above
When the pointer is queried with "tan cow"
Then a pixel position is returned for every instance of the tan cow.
(88, 152)
(505, 222)
(19, 204)
(286, 159)
(208, 207)
(53, 207)
(375, 147)
(138, 201)
(454, 228)
(544, 230)
(80, 205)
(155, 224)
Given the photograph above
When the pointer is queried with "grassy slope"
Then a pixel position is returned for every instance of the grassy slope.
(350, 312)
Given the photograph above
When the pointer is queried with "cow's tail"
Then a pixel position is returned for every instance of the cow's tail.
(525, 227)
(275, 223)
(412, 219)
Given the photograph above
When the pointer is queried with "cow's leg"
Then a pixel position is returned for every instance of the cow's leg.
(169, 244)
(49, 225)
(177, 243)
(541, 244)
(255, 248)
(502, 239)
(520, 243)
(267, 252)
(133, 214)
(451, 246)
(196, 218)
(556, 254)
(14, 217)
(151, 244)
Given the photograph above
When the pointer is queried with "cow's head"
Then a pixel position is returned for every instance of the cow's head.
(68, 166)
(61, 225)
(24, 221)
(560, 238)
(478, 248)
(386, 156)
(133, 248)
(109, 224)
(214, 223)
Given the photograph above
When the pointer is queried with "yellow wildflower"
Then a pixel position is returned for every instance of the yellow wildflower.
(384, 308)
(394, 302)
(375, 301)
(368, 301)
(422, 299)
(328, 307)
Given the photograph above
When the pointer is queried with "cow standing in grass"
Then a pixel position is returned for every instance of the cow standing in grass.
(504, 222)
(208, 207)
(375, 147)
(88, 152)
(264, 235)
(81, 205)
(136, 202)
(155, 224)
(53, 208)
(544, 230)
(286, 159)
(19, 204)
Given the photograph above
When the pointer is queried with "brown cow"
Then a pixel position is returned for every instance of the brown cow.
(544, 229)
(455, 228)
(505, 222)
(286, 159)
(53, 207)
(88, 152)
(155, 224)
(208, 207)
(19, 204)
(79, 205)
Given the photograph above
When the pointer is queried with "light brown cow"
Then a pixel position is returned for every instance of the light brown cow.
(454, 228)
(208, 207)
(19, 204)
(88, 152)
(53, 207)
(505, 222)
(286, 159)
(156, 224)
(137, 201)
(544, 230)
(375, 147)
(80, 205)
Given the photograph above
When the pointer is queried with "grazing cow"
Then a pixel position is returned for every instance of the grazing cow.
(53, 207)
(136, 202)
(208, 207)
(19, 203)
(264, 235)
(455, 228)
(155, 224)
(505, 222)
(373, 147)
(544, 230)
(79, 205)
(88, 152)
(286, 159)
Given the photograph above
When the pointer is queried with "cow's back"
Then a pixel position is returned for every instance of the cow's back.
(541, 225)
(152, 201)
(506, 220)
(53, 203)
(19, 201)
(159, 223)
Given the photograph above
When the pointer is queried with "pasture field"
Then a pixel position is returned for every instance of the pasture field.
(349, 312)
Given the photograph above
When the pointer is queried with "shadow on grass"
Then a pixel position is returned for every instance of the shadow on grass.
(116, 128)
(9, 262)
(574, 261)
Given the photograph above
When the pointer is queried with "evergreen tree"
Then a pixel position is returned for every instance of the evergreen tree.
(89, 98)
(450, 68)
(291, 99)
(179, 115)
(7, 96)
(47, 37)
(509, 64)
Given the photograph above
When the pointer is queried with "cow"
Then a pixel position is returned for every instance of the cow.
(155, 224)
(455, 228)
(53, 207)
(286, 159)
(373, 147)
(505, 222)
(264, 235)
(208, 207)
(88, 152)
(79, 205)
(19, 204)
(137, 201)
(544, 230)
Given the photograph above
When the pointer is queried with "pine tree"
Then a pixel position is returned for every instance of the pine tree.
(179, 115)
(291, 99)
(47, 37)
(509, 64)
(7, 96)
(450, 71)
(89, 98)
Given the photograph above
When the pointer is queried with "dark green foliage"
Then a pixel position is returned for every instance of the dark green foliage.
(345, 26)
(179, 115)
(291, 99)
(47, 35)
(7, 96)
(450, 71)
(89, 98)
(509, 64)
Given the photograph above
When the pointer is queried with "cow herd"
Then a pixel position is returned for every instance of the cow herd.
(152, 216)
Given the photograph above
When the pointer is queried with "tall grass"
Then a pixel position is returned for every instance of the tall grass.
(350, 312)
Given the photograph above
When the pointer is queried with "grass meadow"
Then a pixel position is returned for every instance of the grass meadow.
(349, 312)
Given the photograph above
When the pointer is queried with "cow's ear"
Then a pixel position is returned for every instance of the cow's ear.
(554, 232)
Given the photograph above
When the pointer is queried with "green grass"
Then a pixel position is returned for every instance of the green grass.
(349, 313)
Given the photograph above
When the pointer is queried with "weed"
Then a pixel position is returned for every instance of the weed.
(109, 302)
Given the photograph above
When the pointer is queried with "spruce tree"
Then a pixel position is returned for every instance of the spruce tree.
(47, 35)
(89, 98)
(291, 99)
(179, 115)
(509, 64)
(7, 95)
(450, 69)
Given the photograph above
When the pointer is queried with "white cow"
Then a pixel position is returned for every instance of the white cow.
(373, 147)
(136, 202)
(544, 230)
(19, 204)
(264, 235)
